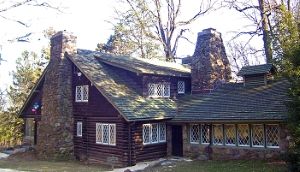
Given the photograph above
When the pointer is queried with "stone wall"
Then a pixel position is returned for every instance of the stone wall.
(201, 152)
(209, 64)
(55, 130)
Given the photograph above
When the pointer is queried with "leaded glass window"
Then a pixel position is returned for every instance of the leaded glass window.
(159, 90)
(162, 132)
(218, 134)
(243, 135)
(257, 135)
(181, 87)
(106, 134)
(272, 135)
(79, 129)
(154, 133)
(205, 134)
(230, 134)
(82, 93)
(195, 133)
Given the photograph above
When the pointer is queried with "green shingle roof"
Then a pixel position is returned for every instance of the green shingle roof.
(258, 69)
(120, 91)
(145, 66)
(234, 102)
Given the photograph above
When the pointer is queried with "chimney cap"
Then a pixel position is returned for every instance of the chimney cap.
(209, 31)
(64, 33)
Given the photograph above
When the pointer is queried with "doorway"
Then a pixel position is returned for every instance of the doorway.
(177, 142)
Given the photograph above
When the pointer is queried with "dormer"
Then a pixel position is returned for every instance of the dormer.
(257, 75)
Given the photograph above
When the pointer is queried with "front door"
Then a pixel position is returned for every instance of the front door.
(177, 140)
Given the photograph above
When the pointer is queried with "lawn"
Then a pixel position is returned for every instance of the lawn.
(222, 166)
(47, 166)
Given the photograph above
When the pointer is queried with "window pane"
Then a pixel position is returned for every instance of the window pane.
(181, 87)
(162, 132)
(105, 133)
(29, 127)
(154, 133)
(78, 96)
(218, 134)
(151, 90)
(229, 134)
(166, 92)
(272, 135)
(112, 134)
(257, 135)
(243, 135)
(85, 93)
(205, 134)
(195, 133)
(99, 138)
(146, 133)
(79, 128)
(159, 90)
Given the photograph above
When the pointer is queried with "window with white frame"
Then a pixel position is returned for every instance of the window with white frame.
(205, 139)
(272, 135)
(181, 87)
(159, 90)
(79, 129)
(195, 133)
(230, 133)
(257, 131)
(106, 134)
(218, 134)
(243, 135)
(154, 133)
(82, 93)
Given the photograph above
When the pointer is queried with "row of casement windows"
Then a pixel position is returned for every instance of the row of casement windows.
(106, 133)
(255, 135)
(154, 133)
(154, 90)
(163, 89)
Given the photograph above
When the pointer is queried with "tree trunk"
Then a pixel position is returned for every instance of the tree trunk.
(266, 31)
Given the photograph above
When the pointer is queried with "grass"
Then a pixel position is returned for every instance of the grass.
(49, 166)
(222, 166)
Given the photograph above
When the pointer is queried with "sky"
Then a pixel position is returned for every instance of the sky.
(89, 20)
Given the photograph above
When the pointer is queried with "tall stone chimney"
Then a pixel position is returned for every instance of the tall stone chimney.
(209, 64)
(55, 130)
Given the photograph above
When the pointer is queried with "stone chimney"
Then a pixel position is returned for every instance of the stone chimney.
(209, 64)
(55, 130)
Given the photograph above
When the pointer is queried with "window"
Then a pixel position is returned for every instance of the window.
(82, 93)
(159, 90)
(79, 129)
(218, 134)
(243, 135)
(154, 133)
(29, 127)
(194, 133)
(205, 134)
(106, 134)
(181, 87)
(272, 135)
(230, 134)
(257, 135)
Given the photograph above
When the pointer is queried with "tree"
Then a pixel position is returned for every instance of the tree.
(263, 14)
(156, 23)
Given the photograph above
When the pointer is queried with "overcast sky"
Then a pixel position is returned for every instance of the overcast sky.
(88, 20)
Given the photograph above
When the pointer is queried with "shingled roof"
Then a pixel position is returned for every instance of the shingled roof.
(119, 91)
(234, 102)
(145, 66)
(257, 69)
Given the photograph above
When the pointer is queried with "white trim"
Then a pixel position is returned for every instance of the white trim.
(191, 129)
(79, 131)
(82, 89)
(109, 141)
(164, 90)
(278, 128)
(183, 87)
(158, 132)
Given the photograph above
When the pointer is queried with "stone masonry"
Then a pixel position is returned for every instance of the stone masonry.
(209, 64)
(55, 130)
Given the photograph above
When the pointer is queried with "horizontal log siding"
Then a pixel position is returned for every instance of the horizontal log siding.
(98, 110)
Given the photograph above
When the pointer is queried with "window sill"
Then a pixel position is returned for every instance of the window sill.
(153, 144)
